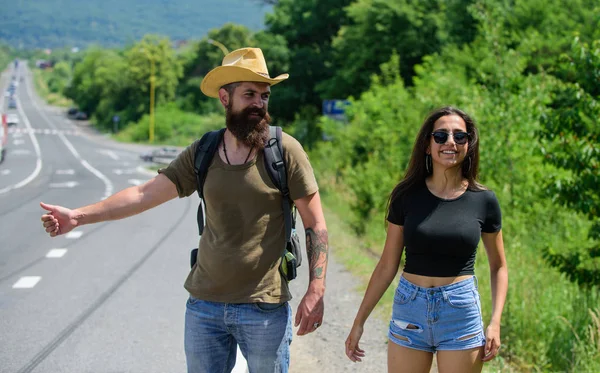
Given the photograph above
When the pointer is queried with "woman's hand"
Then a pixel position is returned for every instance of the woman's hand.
(354, 352)
(492, 342)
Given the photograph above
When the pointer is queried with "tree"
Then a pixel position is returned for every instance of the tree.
(99, 71)
(157, 51)
(308, 27)
(377, 28)
(207, 56)
(59, 78)
(571, 137)
(109, 82)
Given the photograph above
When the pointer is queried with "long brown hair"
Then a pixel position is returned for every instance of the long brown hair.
(417, 170)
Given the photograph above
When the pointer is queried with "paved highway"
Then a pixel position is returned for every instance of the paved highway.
(107, 297)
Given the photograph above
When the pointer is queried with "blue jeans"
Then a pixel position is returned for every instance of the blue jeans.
(439, 318)
(214, 330)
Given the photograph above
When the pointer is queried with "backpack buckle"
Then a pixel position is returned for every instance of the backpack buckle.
(277, 165)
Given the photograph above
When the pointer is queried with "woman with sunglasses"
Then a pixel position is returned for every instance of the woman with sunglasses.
(439, 212)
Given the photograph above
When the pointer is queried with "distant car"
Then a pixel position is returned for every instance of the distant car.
(12, 119)
(12, 103)
(162, 155)
(80, 116)
(3, 140)
(72, 111)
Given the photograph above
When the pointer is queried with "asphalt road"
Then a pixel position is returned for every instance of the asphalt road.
(110, 296)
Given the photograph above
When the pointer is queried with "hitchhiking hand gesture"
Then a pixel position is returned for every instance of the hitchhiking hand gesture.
(59, 220)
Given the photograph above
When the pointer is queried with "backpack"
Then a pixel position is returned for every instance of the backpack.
(276, 168)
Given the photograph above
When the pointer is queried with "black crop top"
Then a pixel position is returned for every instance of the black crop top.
(440, 235)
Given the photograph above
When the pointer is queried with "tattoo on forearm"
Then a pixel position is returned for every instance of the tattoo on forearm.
(318, 254)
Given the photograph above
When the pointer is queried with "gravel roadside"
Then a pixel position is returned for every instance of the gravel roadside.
(323, 350)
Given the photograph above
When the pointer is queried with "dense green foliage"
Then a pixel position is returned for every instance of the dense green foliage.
(49, 24)
(527, 70)
(108, 83)
(572, 143)
(6, 55)
(173, 126)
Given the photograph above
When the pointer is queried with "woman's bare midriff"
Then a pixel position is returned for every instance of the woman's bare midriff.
(432, 282)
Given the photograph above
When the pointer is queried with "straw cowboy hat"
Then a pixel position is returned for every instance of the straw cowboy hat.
(241, 65)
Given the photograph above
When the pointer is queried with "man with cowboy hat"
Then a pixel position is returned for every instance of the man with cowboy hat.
(237, 294)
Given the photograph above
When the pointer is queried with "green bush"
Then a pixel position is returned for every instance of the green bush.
(172, 126)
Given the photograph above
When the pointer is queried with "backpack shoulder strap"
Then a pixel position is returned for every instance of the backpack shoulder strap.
(207, 147)
(276, 168)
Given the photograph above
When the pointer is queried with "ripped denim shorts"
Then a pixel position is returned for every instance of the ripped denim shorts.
(440, 318)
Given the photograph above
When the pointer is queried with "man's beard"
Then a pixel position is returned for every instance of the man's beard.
(252, 131)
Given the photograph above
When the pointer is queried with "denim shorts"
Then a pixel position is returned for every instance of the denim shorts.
(439, 318)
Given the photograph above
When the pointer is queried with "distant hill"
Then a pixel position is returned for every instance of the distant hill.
(77, 23)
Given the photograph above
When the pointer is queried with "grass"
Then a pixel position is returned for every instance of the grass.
(357, 254)
(41, 86)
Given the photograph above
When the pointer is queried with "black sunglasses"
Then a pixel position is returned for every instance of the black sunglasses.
(441, 137)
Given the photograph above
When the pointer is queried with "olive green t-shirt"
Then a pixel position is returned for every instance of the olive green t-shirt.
(244, 236)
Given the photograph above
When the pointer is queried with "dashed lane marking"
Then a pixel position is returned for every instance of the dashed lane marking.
(27, 282)
(42, 131)
(56, 253)
(68, 184)
(74, 235)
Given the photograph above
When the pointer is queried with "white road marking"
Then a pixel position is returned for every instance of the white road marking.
(109, 153)
(65, 172)
(108, 186)
(130, 171)
(18, 142)
(135, 181)
(74, 235)
(19, 152)
(145, 171)
(36, 146)
(17, 132)
(56, 253)
(27, 282)
(67, 184)
(4, 172)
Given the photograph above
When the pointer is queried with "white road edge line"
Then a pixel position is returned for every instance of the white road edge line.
(36, 146)
(108, 186)
(27, 282)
